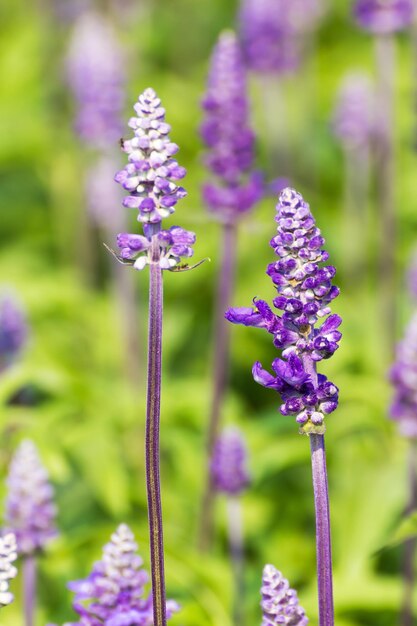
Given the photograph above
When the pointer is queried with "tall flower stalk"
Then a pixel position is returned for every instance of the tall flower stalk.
(150, 180)
(230, 476)
(234, 191)
(30, 516)
(383, 18)
(305, 291)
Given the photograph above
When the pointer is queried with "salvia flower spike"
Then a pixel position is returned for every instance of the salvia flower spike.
(354, 115)
(113, 594)
(305, 291)
(227, 134)
(8, 554)
(280, 605)
(383, 17)
(13, 330)
(229, 468)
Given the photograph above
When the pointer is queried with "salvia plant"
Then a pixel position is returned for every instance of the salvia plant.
(305, 291)
(150, 178)
(279, 602)
(30, 515)
(13, 330)
(114, 594)
(8, 554)
(231, 193)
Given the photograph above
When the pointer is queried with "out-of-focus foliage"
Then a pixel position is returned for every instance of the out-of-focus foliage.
(70, 391)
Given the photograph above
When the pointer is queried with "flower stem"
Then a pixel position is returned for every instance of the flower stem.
(29, 588)
(323, 541)
(221, 357)
(234, 518)
(410, 545)
(152, 436)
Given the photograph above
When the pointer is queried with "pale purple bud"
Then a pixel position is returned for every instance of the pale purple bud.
(280, 605)
(229, 469)
(354, 115)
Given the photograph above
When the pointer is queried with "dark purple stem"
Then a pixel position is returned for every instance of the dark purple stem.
(152, 436)
(385, 60)
(221, 358)
(234, 515)
(407, 618)
(29, 588)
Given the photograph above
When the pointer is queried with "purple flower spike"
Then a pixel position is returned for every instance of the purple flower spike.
(280, 606)
(227, 135)
(382, 17)
(13, 330)
(404, 378)
(354, 117)
(8, 554)
(114, 593)
(305, 291)
(95, 72)
(269, 36)
(229, 463)
(30, 510)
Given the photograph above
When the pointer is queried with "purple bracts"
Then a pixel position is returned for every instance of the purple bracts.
(354, 116)
(404, 378)
(269, 43)
(114, 594)
(227, 134)
(149, 178)
(30, 510)
(279, 603)
(228, 467)
(95, 73)
(382, 17)
(305, 289)
(13, 330)
(8, 554)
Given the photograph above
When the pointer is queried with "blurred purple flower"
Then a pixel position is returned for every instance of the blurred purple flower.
(13, 330)
(404, 379)
(8, 554)
(280, 605)
(30, 510)
(114, 594)
(227, 134)
(95, 73)
(305, 291)
(229, 470)
(382, 17)
(354, 115)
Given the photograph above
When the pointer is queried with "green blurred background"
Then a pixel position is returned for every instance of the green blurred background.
(88, 422)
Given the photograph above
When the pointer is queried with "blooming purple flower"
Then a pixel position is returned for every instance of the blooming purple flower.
(13, 330)
(354, 116)
(114, 594)
(229, 463)
(30, 510)
(95, 73)
(404, 379)
(279, 603)
(304, 285)
(227, 134)
(150, 177)
(268, 30)
(382, 17)
(8, 554)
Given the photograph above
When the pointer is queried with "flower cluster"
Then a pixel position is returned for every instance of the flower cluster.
(279, 603)
(8, 554)
(271, 30)
(382, 17)
(229, 463)
(354, 116)
(174, 243)
(13, 330)
(30, 510)
(227, 134)
(95, 72)
(404, 378)
(305, 289)
(113, 594)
